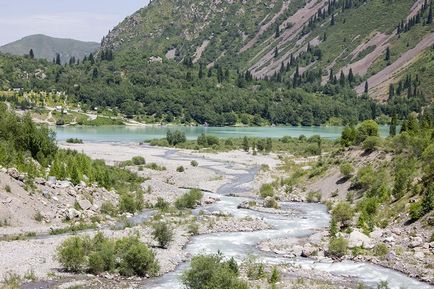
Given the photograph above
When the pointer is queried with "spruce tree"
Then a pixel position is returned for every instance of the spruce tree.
(342, 79)
(387, 56)
(429, 19)
(31, 54)
(58, 62)
(276, 52)
(366, 87)
(393, 123)
(350, 76)
(277, 32)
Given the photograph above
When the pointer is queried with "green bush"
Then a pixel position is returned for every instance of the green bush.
(266, 190)
(189, 200)
(271, 203)
(275, 276)
(380, 250)
(212, 272)
(131, 202)
(346, 169)
(371, 143)
(138, 160)
(163, 234)
(342, 213)
(72, 253)
(161, 204)
(338, 247)
(108, 208)
(176, 137)
(74, 140)
(128, 255)
(180, 169)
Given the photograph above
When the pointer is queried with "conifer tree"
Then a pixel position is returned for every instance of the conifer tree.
(366, 87)
(387, 56)
(393, 123)
(430, 17)
(58, 62)
(277, 32)
(31, 54)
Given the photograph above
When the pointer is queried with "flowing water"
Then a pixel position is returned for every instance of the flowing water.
(307, 219)
(128, 134)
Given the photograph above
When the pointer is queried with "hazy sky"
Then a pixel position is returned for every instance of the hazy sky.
(87, 20)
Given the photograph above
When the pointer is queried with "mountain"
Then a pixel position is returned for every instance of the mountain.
(46, 47)
(257, 62)
(265, 37)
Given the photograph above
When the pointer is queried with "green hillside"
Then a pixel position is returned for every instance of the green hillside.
(45, 47)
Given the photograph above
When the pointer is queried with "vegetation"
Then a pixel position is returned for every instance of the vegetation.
(338, 247)
(127, 256)
(189, 200)
(74, 140)
(212, 271)
(163, 234)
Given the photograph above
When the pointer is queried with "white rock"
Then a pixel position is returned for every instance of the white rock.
(358, 239)
(416, 242)
(72, 213)
(84, 203)
(419, 255)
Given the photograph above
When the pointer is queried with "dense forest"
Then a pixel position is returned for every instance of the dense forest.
(190, 93)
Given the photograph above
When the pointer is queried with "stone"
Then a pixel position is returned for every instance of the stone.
(416, 242)
(64, 184)
(84, 203)
(419, 255)
(46, 194)
(358, 239)
(52, 180)
(40, 181)
(391, 256)
(308, 250)
(377, 233)
(72, 214)
(15, 174)
(397, 231)
(389, 239)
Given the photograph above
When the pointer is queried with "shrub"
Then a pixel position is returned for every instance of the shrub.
(74, 140)
(254, 269)
(128, 255)
(342, 212)
(366, 129)
(338, 247)
(155, 167)
(314, 197)
(180, 169)
(212, 272)
(138, 160)
(346, 169)
(271, 203)
(194, 163)
(72, 253)
(161, 204)
(266, 190)
(131, 202)
(135, 258)
(12, 281)
(175, 137)
(193, 229)
(371, 143)
(38, 216)
(163, 234)
(189, 200)
(8, 189)
(380, 250)
(108, 208)
(275, 276)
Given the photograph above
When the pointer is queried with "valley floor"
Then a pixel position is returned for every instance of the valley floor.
(218, 175)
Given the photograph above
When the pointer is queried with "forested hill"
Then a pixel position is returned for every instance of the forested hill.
(252, 62)
(46, 47)
(377, 39)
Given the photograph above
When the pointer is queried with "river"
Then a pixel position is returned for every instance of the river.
(308, 219)
(127, 134)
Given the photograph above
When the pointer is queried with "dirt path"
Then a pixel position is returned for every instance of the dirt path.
(200, 50)
(379, 82)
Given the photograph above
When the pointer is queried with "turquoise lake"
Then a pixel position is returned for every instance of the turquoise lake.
(127, 134)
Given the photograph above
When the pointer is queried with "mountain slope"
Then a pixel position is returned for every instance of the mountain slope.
(46, 47)
(263, 36)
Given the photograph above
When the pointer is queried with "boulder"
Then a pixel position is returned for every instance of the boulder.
(52, 180)
(419, 255)
(308, 250)
(416, 242)
(64, 184)
(72, 214)
(84, 203)
(358, 239)
(40, 181)
(15, 174)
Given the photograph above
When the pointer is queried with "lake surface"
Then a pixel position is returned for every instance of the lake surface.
(137, 134)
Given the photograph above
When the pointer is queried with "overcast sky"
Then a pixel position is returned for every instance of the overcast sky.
(87, 20)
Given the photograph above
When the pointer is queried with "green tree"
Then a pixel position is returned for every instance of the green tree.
(163, 234)
(393, 124)
(31, 54)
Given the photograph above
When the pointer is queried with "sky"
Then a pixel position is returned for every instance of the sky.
(87, 20)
